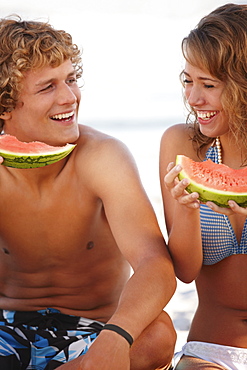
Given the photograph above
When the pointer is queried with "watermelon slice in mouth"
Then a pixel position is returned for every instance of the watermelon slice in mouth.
(34, 154)
(214, 182)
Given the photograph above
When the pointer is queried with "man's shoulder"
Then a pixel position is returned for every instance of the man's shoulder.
(99, 158)
(95, 145)
(90, 135)
(91, 138)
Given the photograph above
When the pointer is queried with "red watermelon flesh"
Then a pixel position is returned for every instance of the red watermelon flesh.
(12, 144)
(215, 182)
(30, 155)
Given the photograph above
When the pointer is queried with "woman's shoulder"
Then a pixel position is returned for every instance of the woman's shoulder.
(178, 139)
(178, 132)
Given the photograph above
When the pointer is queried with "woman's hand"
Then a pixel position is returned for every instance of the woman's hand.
(234, 208)
(178, 188)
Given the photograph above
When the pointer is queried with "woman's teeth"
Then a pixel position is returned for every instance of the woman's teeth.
(206, 115)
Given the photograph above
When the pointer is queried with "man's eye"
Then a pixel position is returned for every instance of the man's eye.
(209, 86)
(46, 88)
(72, 80)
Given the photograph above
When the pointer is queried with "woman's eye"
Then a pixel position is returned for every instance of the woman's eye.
(186, 81)
(209, 86)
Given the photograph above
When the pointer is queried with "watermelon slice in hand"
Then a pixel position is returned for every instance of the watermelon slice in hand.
(214, 182)
(35, 154)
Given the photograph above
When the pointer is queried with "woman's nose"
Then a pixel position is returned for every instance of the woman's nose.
(195, 97)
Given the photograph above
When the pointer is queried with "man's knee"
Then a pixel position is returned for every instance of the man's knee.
(155, 346)
(163, 334)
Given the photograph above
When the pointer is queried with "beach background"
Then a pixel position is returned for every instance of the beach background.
(131, 89)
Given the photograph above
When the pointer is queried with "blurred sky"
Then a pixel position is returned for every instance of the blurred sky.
(131, 52)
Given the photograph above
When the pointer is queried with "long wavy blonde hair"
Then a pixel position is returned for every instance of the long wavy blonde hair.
(219, 45)
(26, 45)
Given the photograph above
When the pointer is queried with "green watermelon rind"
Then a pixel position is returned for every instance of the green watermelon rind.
(35, 160)
(219, 197)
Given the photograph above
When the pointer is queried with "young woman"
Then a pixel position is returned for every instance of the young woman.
(207, 243)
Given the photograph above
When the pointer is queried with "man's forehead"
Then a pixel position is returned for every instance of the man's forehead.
(46, 73)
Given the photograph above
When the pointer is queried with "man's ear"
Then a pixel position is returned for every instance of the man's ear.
(5, 116)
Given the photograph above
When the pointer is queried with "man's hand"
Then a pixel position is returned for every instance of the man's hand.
(109, 351)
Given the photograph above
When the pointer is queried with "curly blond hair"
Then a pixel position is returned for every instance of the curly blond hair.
(219, 45)
(26, 45)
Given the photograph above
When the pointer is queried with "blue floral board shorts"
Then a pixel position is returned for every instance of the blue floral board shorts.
(44, 339)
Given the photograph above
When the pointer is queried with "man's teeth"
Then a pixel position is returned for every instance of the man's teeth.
(63, 115)
(206, 116)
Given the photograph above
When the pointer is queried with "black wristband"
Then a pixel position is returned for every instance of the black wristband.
(119, 331)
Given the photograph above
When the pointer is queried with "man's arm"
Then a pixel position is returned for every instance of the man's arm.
(135, 228)
(136, 231)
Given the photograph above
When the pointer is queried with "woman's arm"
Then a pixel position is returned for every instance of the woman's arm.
(180, 208)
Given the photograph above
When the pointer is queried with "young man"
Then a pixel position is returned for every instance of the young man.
(70, 231)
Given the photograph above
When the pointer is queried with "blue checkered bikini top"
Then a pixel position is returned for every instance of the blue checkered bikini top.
(218, 237)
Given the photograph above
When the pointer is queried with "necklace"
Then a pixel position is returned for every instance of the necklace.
(218, 146)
